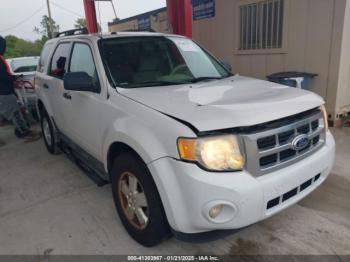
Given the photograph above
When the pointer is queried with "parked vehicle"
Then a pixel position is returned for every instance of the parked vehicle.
(186, 146)
(26, 67)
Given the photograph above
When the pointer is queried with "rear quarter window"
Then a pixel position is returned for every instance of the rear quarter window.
(44, 57)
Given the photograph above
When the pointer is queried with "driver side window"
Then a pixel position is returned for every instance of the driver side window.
(83, 61)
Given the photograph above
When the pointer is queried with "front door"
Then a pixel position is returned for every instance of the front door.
(83, 110)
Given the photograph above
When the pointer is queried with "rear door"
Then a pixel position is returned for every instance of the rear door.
(54, 83)
(41, 77)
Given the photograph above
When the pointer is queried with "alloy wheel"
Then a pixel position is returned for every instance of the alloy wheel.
(47, 131)
(133, 200)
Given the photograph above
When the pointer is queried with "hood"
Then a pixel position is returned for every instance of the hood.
(233, 102)
(2, 45)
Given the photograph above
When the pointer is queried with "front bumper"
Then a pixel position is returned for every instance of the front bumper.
(188, 192)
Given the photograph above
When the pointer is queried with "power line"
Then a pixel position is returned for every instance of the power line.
(66, 9)
(24, 20)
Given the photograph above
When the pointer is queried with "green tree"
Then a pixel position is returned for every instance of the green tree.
(80, 23)
(45, 27)
(17, 47)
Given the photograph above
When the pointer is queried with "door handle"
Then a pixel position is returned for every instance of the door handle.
(67, 96)
(45, 86)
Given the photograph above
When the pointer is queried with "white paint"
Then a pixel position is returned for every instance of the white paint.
(137, 118)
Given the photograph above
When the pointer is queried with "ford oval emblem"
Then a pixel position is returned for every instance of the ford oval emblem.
(300, 142)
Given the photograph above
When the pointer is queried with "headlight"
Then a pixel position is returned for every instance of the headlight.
(217, 153)
(325, 116)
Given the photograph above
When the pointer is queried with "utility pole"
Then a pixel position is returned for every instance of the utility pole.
(115, 13)
(50, 27)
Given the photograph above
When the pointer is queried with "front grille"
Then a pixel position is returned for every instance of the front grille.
(267, 142)
(307, 148)
(287, 154)
(272, 149)
(305, 185)
(305, 129)
(290, 194)
(283, 138)
(314, 125)
(316, 140)
(268, 160)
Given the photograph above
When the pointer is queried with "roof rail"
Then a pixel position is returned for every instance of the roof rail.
(79, 31)
(140, 30)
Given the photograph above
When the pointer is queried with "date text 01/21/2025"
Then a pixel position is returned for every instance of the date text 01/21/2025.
(173, 258)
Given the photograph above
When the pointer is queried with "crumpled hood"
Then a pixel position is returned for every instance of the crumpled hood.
(233, 102)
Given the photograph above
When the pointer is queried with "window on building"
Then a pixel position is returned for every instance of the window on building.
(261, 25)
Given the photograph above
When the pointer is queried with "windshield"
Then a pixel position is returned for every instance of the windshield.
(153, 61)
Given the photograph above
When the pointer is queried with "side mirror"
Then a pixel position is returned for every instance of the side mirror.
(79, 81)
(227, 65)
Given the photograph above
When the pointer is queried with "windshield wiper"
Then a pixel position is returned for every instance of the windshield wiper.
(156, 83)
(203, 78)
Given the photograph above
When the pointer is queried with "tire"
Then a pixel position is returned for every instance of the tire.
(49, 135)
(156, 229)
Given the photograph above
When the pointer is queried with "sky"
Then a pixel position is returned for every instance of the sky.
(20, 17)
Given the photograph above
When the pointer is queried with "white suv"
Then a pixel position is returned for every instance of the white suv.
(186, 146)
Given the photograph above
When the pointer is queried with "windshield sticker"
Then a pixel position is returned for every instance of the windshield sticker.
(186, 45)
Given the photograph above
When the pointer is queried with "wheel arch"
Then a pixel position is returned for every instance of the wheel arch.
(40, 107)
(117, 148)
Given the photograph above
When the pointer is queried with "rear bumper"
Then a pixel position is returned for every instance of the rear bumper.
(188, 192)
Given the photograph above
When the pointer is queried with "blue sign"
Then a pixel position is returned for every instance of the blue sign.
(144, 23)
(203, 9)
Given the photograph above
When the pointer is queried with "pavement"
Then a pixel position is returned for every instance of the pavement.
(49, 206)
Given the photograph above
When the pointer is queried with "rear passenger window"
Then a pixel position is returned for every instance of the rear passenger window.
(60, 60)
(44, 57)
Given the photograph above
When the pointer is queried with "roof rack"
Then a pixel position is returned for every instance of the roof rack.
(140, 30)
(79, 31)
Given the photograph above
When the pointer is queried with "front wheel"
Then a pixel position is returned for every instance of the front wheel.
(50, 138)
(137, 201)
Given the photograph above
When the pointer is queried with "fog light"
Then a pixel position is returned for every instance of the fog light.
(219, 211)
(215, 211)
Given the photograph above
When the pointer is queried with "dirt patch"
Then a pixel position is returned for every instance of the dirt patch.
(245, 247)
(48, 251)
